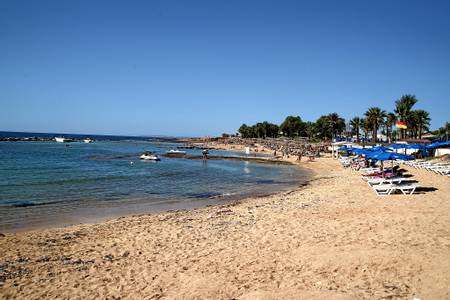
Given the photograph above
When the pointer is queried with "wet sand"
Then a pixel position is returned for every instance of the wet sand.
(333, 238)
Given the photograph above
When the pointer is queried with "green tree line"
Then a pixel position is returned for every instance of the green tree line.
(325, 127)
(375, 120)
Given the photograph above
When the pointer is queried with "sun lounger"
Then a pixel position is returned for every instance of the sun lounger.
(387, 189)
(380, 181)
(444, 171)
(432, 167)
(383, 189)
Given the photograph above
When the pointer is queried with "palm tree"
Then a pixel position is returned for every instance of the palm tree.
(447, 129)
(391, 118)
(375, 116)
(403, 107)
(337, 124)
(365, 125)
(356, 124)
(310, 129)
(444, 131)
(421, 121)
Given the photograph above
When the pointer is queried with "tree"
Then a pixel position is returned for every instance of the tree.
(420, 122)
(259, 130)
(272, 130)
(310, 130)
(293, 126)
(244, 131)
(337, 124)
(403, 107)
(356, 124)
(365, 125)
(329, 126)
(391, 118)
(375, 116)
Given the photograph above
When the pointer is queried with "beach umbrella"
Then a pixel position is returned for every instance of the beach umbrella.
(398, 146)
(344, 148)
(437, 145)
(380, 148)
(360, 151)
(415, 146)
(383, 155)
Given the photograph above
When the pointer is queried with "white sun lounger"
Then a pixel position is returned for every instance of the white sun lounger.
(387, 189)
(378, 181)
(442, 171)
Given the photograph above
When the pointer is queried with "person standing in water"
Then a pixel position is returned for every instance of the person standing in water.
(300, 154)
(205, 153)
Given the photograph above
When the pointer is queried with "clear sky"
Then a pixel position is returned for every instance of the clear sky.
(205, 67)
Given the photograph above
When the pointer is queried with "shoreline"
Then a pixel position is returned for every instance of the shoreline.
(78, 217)
(332, 239)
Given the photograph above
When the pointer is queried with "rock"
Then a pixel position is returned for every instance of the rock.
(2, 235)
(109, 257)
(126, 254)
(43, 259)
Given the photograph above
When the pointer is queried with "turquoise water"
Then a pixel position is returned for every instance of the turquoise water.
(46, 183)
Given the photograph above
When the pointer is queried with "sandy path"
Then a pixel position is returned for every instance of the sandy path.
(332, 239)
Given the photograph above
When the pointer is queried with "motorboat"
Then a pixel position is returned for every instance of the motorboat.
(149, 156)
(173, 151)
(63, 140)
(60, 139)
(87, 141)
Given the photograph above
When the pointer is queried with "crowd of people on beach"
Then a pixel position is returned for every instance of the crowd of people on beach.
(282, 147)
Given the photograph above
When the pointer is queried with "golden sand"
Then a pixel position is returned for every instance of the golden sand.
(332, 239)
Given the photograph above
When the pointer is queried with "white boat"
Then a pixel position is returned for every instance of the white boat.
(87, 141)
(173, 151)
(61, 140)
(149, 156)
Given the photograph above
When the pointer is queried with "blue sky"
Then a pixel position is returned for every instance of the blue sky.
(205, 67)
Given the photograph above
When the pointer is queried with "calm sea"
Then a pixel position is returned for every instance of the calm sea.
(43, 184)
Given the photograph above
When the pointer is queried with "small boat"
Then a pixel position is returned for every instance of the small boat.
(149, 156)
(87, 141)
(62, 140)
(173, 151)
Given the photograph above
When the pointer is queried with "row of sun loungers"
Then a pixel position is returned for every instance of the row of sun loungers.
(383, 182)
(438, 167)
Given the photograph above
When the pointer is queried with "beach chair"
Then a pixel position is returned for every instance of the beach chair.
(383, 189)
(380, 181)
(406, 189)
(434, 166)
(444, 171)
(387, 189)
(439, 169)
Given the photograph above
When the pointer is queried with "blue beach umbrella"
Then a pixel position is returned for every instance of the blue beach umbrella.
(382, 155)
(360, 151)
(380, 148)
(398, 146)
(415, 146)
(437, 145)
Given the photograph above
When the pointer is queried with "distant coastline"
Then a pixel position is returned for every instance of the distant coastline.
(14, 136)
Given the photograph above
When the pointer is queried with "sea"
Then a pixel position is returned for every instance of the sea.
(48, 184)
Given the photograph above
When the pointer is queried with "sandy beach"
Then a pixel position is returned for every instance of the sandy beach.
(332, 238)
